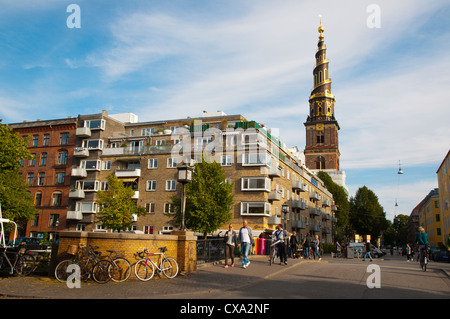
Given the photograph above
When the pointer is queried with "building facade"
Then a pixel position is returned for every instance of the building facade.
(48, 173)
(443, 174)
(145, 156)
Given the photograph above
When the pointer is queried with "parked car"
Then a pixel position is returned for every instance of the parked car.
(440, 255)
(31, 243)
(377, 252)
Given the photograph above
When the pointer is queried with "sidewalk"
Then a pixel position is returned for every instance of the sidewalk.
(210, 278)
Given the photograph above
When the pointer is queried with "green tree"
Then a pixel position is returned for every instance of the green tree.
(400, 229)
(366, 214)
(208, 199)
(343, 206)
(117, 206)
(16, 200)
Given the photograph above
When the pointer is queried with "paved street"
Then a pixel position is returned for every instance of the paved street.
(329, 278)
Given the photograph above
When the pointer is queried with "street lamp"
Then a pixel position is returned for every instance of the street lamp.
(184, 176)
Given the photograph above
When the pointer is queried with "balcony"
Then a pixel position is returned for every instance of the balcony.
(334, 208)
(76, 193)
(298, 224)
(136, 195)
(83, 132)
(326, 203)
(334, 220)
(326, 217)
(300, 186)
(314, 196)
(274, 172)
(299, 204)
(274, 220)
(136, 172)
(314, 227)
(79, 172)
(274, 195)
(326, 230)
(74, 215)
(80, 152)
(314, 212)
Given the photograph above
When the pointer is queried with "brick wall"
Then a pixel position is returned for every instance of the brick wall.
(181, 245)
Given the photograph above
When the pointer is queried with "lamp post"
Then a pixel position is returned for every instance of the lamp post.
(184, 177)
(285, 210)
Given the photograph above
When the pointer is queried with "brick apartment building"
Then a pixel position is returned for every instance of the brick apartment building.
(142, 155)
(48, 174)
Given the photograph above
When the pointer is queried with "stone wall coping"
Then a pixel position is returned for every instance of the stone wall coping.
(85, 234)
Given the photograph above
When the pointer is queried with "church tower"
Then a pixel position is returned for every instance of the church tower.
(322, 147)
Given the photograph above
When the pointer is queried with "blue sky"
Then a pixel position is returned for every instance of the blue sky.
(172, 59)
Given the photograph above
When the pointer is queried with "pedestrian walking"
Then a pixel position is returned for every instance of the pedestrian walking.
(307, 246)
(367, 253)
(316, 243)
(294, 244)
(408, 252)
(245, 242)
(230, 243)
(338, 249)
(281, 235)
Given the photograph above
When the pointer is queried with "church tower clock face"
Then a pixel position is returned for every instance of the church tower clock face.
(322, 147)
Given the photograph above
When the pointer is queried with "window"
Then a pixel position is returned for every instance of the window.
(46, 139)
(38, 199)
(227, 160)
(147, 131)
(172, 162)
(35, 140)
(320, 162)
(54, 220)
(255, 208)
(255, 184)
(106, 165)
(88, 185)
(320, 138)
(148, 229)
(171, 185)
(43, 159)
(33, 160)
(151, 186)
(150, 208)
(169, 208)
(167, 228)
(60, 177)
(438, 217)
(35, 222)
(104, 186)
(57, 198)
(95, 124)
(81, 227)
(152, 163)
(93, 144)
(64, 139)
(86, 207)
(30, 177)
(62, 157)
(41, 179)
(255, 159)
(160, 142)
(91, 165)
(436, 204)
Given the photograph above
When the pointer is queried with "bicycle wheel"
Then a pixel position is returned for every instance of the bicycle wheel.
(103, 271)
(122, 269)
(25, 265)
(86, 267)
(169, 267)
(425, 262)
(144, 270)
(61, 270)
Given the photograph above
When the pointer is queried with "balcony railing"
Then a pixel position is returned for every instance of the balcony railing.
(274, 195)
(76, 193)
(74, 215)
(136, 172)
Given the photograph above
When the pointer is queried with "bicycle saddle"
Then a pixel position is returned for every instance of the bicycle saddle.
(163, 249)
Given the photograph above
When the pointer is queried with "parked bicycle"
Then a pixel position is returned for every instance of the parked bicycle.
(85, 257)
(122, 267)
(16, 261)
(145, 268)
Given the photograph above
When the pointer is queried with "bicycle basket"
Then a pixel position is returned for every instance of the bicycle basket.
(72, 249)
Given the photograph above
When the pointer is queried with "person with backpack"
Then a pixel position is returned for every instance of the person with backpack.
(281, 235)
(307, 246)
